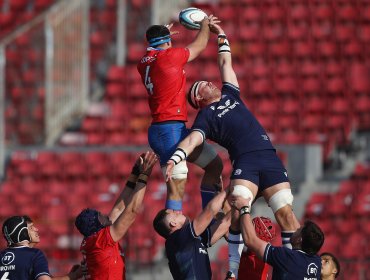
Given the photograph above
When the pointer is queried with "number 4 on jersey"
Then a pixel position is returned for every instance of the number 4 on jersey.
(148, 83)
(5, 276)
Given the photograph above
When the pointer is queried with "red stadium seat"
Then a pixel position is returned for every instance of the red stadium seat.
(279, 49)
(336, 86)
(327, 49)
(250, 31)
(251, 14)
(273, 31)
(297, 31)
(347, 13)
(303, 50)
(299, 13)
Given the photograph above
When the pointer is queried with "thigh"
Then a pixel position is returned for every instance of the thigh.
(164, 138)
(272, 170)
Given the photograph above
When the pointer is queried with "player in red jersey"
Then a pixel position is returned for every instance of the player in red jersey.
(101, 233)
(162, 73)
(251, 267)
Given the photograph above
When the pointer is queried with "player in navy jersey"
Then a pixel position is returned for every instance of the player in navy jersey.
(187, 241)
(300, 262)
(20, 261)
(330, 266)
(225, 119)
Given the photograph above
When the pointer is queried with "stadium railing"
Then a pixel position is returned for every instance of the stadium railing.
(60, 36)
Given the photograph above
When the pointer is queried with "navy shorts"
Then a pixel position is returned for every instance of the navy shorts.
(263, 168)
(163, 138)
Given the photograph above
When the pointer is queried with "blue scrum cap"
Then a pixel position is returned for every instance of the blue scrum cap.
(87, 222)
(15, 230)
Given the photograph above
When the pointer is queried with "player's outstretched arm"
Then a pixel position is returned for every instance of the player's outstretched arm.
(224, 56)
(201, 40)
(202, 221)
(125, 195)
(185, 148)
(220, 227)
(119, 228)
(250, 237)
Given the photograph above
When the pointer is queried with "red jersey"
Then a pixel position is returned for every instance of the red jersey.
(162, 72)
(103, 257)
(252, 268)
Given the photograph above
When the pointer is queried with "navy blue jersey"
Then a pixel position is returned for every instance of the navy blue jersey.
(292, 264)
(229, 123)
(23, 263)
(187, 254)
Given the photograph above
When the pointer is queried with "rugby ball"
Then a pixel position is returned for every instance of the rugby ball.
(191, 18)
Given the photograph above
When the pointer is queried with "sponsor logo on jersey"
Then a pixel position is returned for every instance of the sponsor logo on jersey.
(202, 251)
(8, 258)
(147, 59)
(265, 137)
(238, 172)
(312, 270)
(227, 107)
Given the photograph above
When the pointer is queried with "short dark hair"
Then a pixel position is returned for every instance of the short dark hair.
(156, 31)
(159, 224)
(312, 238)
(335, 260)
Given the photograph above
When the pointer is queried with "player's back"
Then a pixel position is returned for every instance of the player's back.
(252, 268)
(22, 263)
(162, 73)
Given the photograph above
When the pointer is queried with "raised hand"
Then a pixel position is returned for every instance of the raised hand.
(169, 169)
(147, 162)
(169, 26)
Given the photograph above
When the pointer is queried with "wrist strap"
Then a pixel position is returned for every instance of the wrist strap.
(178, 156)
(244, 210)
(143, 178)
(223, 44)
(135, 170)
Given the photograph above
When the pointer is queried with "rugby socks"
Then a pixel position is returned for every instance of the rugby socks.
(207, 195)
(174, 205)
(285, 238)
(235, 244)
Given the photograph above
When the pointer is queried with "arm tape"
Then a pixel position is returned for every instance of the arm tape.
(130, 185)
(178, 156)
(223, 44)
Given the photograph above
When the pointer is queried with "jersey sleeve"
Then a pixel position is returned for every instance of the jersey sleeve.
(230, 89)
(179, 55)
(40, 265)
(206, 237)
(201, 125)
(276, 256)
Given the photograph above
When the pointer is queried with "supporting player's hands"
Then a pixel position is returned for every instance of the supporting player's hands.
(172, 32)
(147, 162)
(237, 201)
(169, 169)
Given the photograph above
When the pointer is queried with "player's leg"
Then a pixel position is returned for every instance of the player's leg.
(245, 188)
(275, 188)
(279, 197)
(163, 139)
(206, 157)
